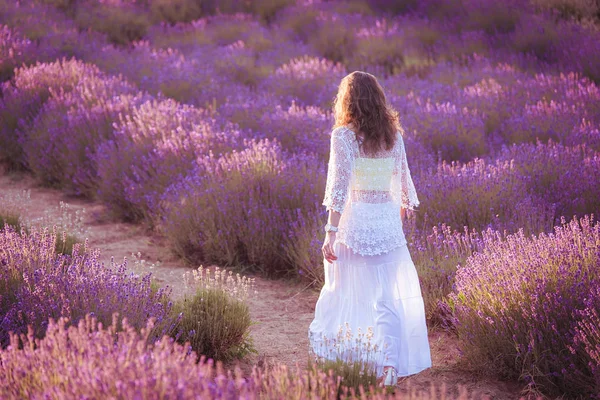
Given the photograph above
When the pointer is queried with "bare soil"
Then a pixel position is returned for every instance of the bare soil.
(282, 309)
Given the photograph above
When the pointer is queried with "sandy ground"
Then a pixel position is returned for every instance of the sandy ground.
(282, 310)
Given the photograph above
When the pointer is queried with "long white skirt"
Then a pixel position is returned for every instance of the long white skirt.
(370, 310)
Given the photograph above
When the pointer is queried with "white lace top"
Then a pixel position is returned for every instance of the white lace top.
(368, 192)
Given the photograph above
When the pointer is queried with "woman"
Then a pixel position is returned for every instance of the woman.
(371, 284)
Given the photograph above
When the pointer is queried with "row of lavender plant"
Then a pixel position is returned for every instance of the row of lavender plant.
(37, 284)
(528, 307)
(126, 364)
(408, 36)
(201, 63)
(41, 358)
(48, 274)
(92, 134)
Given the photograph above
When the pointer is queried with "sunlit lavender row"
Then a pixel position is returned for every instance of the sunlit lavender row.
(191, 122)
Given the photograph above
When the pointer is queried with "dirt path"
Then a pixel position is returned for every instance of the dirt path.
(282, 310)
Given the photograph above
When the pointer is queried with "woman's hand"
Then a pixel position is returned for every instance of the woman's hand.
(327, 248)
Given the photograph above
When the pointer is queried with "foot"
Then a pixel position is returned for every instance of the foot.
(389, 377)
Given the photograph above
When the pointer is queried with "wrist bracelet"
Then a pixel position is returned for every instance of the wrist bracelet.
(330, 228)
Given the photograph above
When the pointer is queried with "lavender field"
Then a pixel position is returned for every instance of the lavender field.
(208, 122)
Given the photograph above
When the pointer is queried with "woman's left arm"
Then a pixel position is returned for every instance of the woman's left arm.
(403, 188)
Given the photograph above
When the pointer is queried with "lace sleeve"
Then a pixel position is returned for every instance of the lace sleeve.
(339, 172)
(403, 188)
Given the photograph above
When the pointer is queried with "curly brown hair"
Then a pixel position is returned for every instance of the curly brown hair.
(361, 103)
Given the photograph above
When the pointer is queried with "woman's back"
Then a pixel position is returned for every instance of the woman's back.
(368, 190)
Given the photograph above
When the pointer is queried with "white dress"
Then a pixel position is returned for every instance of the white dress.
(370, 308)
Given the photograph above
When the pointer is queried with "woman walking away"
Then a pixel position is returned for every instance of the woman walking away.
(371, 285)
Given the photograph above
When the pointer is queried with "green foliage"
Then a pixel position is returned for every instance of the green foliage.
(65, 243)
(352, 375)
(353, 361)
(11, 220)
(215, 325)
(216, 319)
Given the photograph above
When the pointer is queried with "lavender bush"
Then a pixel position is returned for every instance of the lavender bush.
(436, 256)
(294, 127)
(310, 81)
(37, 20)
(302, 250)
(522, 302)
(122, 24)
(215, 319)
(191, 78)
(476, 195)
(562, 176)
(23, 98)
(125, 363)
(14, 51)
(52, 33)
(11, 208)
(259, 192)
(586, 342)
(459, 134)
(61, 144)
(143, 369)
(150, 148)
(239, 64)
(37, 284)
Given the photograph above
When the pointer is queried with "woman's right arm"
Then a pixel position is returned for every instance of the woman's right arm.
(339, 172)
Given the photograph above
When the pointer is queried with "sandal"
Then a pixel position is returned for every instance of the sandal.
(389, 378)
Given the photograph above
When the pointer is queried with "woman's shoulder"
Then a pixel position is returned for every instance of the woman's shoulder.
(343, 132)
(399, 138)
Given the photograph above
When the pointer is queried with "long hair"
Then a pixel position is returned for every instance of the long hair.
(360, 101)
